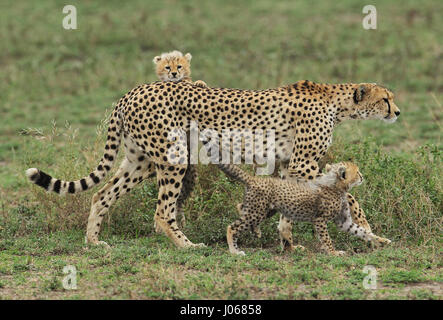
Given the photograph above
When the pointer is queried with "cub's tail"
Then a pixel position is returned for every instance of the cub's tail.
(235, 173)
(61, 187)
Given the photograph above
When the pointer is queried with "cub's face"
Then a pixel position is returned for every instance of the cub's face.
(173, 67)
(347, 173)
(376, 102)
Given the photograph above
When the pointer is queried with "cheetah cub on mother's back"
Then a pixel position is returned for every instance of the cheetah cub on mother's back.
(174, 66)
(315, 201)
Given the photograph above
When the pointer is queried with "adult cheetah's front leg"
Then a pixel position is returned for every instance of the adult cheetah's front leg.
(345, 223)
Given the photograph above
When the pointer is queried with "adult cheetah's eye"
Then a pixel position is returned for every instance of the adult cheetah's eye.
(179, 67)
(168, 68)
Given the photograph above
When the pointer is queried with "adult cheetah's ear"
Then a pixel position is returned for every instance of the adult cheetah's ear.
(188, 57)
(342, 172)
(157, 59)
(360, 93)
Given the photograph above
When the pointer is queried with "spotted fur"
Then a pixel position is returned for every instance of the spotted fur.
(302, 115)
(174, 66)
(316, 201)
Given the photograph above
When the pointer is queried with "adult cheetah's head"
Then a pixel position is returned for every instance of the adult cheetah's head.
(173, 66)
(347, 174)
(375, 102)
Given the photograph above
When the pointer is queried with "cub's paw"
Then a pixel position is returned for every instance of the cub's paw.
(200, 83)
(299, 247)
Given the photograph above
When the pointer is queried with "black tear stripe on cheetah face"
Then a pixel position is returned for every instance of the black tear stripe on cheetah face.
(316, 201)
(302, 116)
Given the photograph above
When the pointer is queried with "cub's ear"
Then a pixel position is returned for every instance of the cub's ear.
(157, 59)
(342, 172)
(188, 56)
(328, 167)
(360, 92)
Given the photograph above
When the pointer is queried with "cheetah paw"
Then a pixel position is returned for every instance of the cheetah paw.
(237, 252)
(339, 253)
(97, 243)
(200, 83)
(103, 243)
(195, 245)
(379, 242)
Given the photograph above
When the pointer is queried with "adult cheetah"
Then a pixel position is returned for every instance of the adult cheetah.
(302, 116)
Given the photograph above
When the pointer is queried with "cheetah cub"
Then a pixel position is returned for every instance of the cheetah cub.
(316, 201)
(174, 66)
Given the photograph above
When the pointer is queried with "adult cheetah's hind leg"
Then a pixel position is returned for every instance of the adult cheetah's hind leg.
(127, 176)
(188, 185)
(170, 180)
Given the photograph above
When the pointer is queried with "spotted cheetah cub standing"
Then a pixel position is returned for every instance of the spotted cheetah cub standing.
(316, 201)
(174, 66)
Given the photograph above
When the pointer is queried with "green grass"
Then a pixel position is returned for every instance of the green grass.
(51, 76)
(152, 268)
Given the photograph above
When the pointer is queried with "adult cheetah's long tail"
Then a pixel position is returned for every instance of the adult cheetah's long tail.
(235, 173)
(61, 187)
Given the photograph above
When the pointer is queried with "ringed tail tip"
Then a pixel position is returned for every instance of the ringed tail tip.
(33, 174)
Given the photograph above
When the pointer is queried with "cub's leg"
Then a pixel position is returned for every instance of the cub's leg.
(358, 216)
(256, 228)
(170, 180)
(127, 176)
(345, 222)
(285, 232)
(250, 218)
(321, 229)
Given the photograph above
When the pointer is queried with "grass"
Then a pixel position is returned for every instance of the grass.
(152, 268)
(58, 87)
